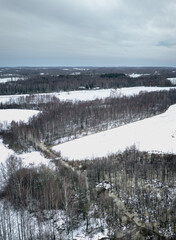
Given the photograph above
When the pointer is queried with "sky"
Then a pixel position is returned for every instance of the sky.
(87, 33)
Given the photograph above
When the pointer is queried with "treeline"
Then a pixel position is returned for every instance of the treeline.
(31, 101)
(49, 83)
(112, 75)
(66, 120)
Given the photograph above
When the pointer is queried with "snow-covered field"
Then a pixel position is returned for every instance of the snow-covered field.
(81, 69)
(9, 115)
(172, 80)
(9, 79)
(136, 75)
(85, 95)
(155, 134)
(6, 117)
(35, 158)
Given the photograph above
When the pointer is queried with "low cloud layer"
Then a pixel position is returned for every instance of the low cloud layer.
(88, 32)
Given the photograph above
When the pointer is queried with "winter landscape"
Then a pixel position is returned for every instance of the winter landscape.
(87, 120)
(90, 162)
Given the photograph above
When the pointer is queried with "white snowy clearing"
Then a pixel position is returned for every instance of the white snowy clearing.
(75, 73)
(172, 80)
(155, 134)
(81, 69)
(10, 79)
(136, 75)
(34, 158)
(9, 115)
(87, 95)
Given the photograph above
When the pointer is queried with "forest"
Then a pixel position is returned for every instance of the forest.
(52, 83)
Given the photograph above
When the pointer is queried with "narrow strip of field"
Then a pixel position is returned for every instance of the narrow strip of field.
(87, 95)
(10, 79)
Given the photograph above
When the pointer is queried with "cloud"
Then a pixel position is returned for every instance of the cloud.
(101, 32)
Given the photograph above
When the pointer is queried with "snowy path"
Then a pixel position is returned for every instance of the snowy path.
(156, 134)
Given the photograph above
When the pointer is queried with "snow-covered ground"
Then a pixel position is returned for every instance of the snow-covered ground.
(6, 117)
(75, 73)
(136, 75)
(155, 134)
(5, 152)
(86, 95)
(16, 222)
(172, 80)
(96, 224)
(9, 79)
(9, 115)
(32, 158)
(81, 69)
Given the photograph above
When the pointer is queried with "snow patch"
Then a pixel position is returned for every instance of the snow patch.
(104, 184)
(172, 80)
(10, 79)
(75, 73)
(5, 152)
(136, 75)
(9, 115)
(34, 158)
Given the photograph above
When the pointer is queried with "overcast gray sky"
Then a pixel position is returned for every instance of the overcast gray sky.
(88, 32)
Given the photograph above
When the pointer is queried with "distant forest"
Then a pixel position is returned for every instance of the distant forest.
(53, 83)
